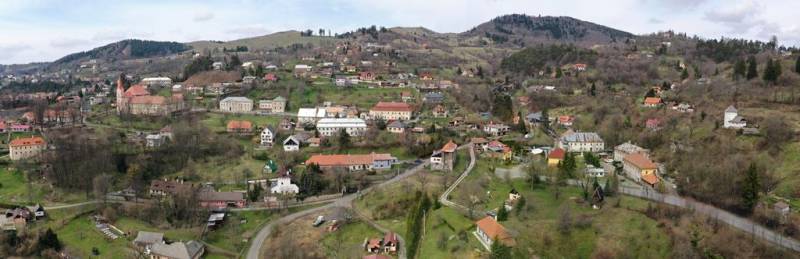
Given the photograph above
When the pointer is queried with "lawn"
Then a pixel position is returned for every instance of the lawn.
(238, 229)
(14, 189)
(348, 240)
(218, 122)
(361, 97)
(80, 236)
(132, 225)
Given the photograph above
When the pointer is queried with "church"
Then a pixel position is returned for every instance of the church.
(137, 100)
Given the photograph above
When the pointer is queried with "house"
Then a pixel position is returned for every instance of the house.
(154, 140)
(286, 124)
(215, 220)
(240, 127)
(15, 218)
(17, 127)
(433, 97)
(732, 120)
(23, 148)
(782, 208)
(310, 115)
(366, 76)
(374, 245)
(479, 143)
(580, 142)
(371, 161)
(166, 187)
(444, 159)
(146, 240)
(156, 81)
(455, 122)
(640, 168)
(390, 243)
(314, 142)
(219, 200)
(652, 102)
(535, 118)
(555, 156)
(340, 81)
(270, 77)
(593, 171)
(329, 127)
(277, 105)
(579, 67)
(566, 120)
(513, 195)
(291, 144)
(38, 211)
(248, 80)
(488, 230)
(683, 108)
(178, 250)
(498, 149)
(496, 129)
(653, 124)
(218, 65)
(301, 70)
(396, 127)
(439, 111)
(267, 136)
(426, 76)
(283, 185)
(627, 148)
(236, 104)
(391, 111)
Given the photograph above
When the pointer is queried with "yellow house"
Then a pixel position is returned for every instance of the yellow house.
(555, 157)
(640, 168)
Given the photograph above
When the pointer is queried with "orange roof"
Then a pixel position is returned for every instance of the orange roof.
(640, 161)
(479, 140)
(136, 90)
(148, 99)
(234, 124)
(494, 230)
(556, 154)
(346, 160)
(449, 147)
(651, 179)
(564, 118)
(392, 107)
(652, 100)
(31, 141)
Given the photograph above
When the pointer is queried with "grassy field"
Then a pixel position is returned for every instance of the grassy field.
(14, 189)
(80, 236)
(349, 240)
(238, 229)
(361, 97)
(219, 122)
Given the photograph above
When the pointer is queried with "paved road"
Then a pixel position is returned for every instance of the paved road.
(345, 201)
(67, 206)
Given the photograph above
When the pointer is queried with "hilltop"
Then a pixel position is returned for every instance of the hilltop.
(521, 30)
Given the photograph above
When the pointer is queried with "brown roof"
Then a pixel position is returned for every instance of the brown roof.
(237, 124)
(390, 238)
(652, 100)
(221, 196)
(495, 231)
(640, 161)
(171, 187)
(650, 179)
(148, 99)
(346, 160)
(449, 147)
(31, 141)
(479, 140)
(392, 107)
(136, 90)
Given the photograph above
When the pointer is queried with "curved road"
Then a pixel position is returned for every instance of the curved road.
(345, 201)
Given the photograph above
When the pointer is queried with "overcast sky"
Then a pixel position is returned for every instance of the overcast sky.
(44, 30)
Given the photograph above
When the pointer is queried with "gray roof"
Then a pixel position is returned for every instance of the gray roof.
(534, 116)
(396, 124)
(145, 237)
(582, 137)
(730, 109)
(236, 99)
(178, 250)
(221, 196)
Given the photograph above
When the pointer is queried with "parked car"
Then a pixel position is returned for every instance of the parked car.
(320, 219)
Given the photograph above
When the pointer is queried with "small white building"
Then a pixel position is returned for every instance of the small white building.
(267, 136)
(310, 115)
(283, 185)
(157, 81)
(154, 140)
(291, 144)
(732, 120)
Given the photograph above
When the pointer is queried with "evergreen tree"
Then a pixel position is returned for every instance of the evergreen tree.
(592, 90)
(772, 70)
(521, 203)
(499, 250)
(684, 74)
(797, 65)
(521, 124)
(751, 68)
(739, 69)
(49, 240)
(750, 187)
(502, 213)
(558, 72)
(344, 139)
(651, 93)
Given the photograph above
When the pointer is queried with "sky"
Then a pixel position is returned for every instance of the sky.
(45, 30)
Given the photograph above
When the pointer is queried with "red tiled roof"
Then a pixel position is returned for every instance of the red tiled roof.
(651, 179)
(390, 237)
(346, 160)
(136, 90)
(148, 99)
(640, 161)
(449, 147)
(31, 141)
(564, 119)
(556, 154)
(494, 230)
(236, 124)
(392, 107)
(652, 100)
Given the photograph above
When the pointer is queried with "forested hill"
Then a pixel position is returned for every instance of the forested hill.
(127, 49)
(519, 29)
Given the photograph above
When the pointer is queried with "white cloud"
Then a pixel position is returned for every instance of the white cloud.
(203, 16)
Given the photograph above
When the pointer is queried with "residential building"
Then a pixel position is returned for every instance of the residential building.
(137, 100)
(652, 102)
(146, 240)
(328, 127)
(628, 148)
(218, 200)
(593, 171)
(640, 168)
(391, 111)
(371, 161)
(535, 118)
(218, 65)
(283, 185)
(301, 70)
(488, 230)
(154, 140)
(240, 127)
(555, 156)
(433, 97)
(439, 111)
(177, 250)
(168, 187)
(277, 105)
(157, 81)
(732, 120)
(366, 76)
(397, 127)
(498, 149)
(444, 159)
(580, 142)
(291, 144)
(23, 148)
(267, 136)
(566, 120)
(496, 129)
(390, 243)
(236, 104)
(310, 115)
